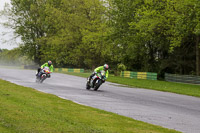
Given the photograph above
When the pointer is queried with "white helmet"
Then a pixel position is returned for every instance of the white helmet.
(106, 67)
(49, 63)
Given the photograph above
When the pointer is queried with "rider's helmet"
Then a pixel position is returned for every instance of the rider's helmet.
(49, 63)
(105, 66)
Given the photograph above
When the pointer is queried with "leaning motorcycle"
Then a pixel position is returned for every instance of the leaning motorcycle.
(43, 74)
(96, 81)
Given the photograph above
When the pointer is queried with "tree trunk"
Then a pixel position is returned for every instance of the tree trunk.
(197, 55)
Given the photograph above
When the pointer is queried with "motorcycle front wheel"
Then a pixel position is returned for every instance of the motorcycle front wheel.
(97, 85)
(43, 77)
(88, 85)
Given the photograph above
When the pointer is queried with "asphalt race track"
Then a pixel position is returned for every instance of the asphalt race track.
(168, 110)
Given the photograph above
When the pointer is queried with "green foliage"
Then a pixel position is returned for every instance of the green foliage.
(144, 35)
(155, 33)
(62, 31)
(13, 57)
(121, 67)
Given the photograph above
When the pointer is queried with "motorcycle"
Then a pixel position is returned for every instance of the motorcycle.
(96, 81)
(43, 74)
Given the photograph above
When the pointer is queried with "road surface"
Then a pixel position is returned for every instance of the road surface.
(168, 110)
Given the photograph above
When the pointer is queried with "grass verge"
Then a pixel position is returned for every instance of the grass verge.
(179, 88)
(12, 67)
(24, 110)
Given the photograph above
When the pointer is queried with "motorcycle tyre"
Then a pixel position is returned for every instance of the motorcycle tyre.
(97, 85)
(88, 87)
(42, 79)
(88, 84)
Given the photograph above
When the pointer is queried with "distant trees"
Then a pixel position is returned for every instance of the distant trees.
(8, 57)
(158, 35)
(13, 57)
(144, 35)
(71, 33)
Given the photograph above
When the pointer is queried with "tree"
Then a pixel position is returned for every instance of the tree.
(28, 17)
(152, 33)
(187, 25)
(60, 30)
(121, 14)
(77, 34)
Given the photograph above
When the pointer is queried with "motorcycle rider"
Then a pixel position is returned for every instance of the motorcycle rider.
(47, 64)
(105, 68)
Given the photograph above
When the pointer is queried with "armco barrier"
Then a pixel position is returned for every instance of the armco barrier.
(69, 70)
(182, 78)
(139, 75)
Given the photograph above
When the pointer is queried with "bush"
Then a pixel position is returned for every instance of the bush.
(120, 67)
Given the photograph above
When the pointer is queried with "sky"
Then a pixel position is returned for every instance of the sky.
(7, 40)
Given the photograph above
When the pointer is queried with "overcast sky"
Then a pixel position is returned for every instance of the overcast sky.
(6, 34)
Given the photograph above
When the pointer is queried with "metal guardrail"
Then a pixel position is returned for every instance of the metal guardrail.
(69, 70)
(182, 78)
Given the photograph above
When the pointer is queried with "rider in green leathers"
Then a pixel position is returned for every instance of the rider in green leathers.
(47, 64)
(105, 68)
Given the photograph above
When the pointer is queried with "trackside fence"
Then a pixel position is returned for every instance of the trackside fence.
(182, 78)
(139, 75)
(77, 70)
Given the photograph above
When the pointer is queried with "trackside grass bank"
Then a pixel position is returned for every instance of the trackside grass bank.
(25, 110)
(179, 88)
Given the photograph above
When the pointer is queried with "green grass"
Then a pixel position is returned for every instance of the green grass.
(25, 110)
(179, 88)
(12, 67)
